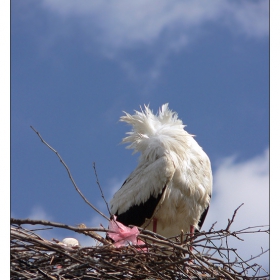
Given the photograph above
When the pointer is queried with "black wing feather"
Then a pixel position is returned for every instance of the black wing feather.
(203, 216)
(137, 214)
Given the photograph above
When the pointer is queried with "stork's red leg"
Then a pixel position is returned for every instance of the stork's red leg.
(155, 225)
(190, 261)
(191, 239)
(191, 235)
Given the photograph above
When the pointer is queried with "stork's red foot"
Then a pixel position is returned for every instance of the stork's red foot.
(155, 225)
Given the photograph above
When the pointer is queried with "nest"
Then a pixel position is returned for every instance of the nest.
(33, 257)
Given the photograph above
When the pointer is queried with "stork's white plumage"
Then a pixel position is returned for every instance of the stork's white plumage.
(171, 187)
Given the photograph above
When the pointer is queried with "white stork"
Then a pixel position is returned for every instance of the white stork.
(171, 187)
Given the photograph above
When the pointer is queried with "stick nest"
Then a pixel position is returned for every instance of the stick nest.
(33, 257)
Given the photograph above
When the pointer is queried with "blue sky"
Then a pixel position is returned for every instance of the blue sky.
(76, 66)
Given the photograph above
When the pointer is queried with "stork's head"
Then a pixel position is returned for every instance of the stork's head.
(155, 134)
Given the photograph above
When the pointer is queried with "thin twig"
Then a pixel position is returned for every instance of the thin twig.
(233, 216)
(98, 184)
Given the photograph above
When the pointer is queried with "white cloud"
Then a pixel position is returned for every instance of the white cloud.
(250, 18)
(38, 213)
(126, 24)
(123, 26)
(242, 182)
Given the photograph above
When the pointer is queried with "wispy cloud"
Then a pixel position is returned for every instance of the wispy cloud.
(157, 28)
(125, 24)
(242, 182)
(38, 213)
